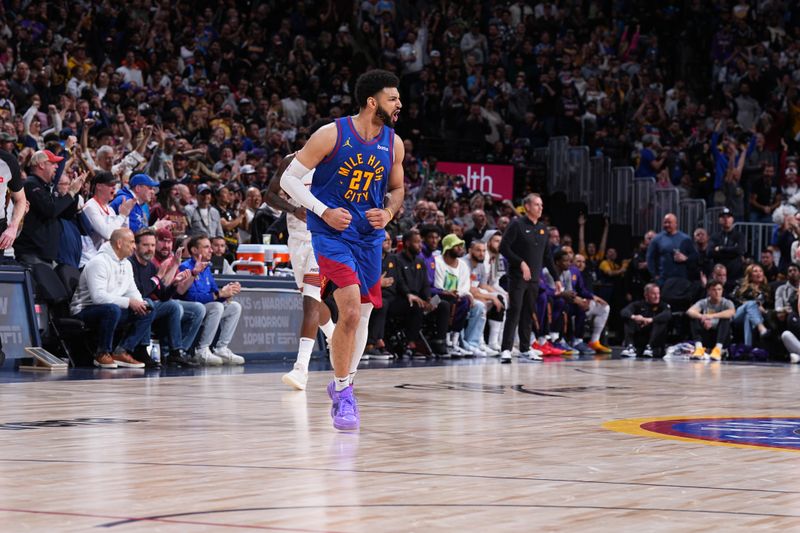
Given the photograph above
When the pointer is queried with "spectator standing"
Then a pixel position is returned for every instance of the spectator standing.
(204, 218)
(727, 248)
(11, 184)
(101, 219)
(38, 242)
(670, 253)
(141, 189)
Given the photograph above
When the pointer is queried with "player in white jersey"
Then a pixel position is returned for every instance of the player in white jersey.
(306, 275)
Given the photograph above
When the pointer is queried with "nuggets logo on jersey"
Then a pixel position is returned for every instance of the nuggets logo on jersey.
(361, 171)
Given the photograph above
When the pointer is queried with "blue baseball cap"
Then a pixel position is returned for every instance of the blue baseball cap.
(142, 179)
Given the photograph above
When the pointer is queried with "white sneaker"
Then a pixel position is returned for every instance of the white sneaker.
(297, 378)
(204, 357)
(228, 357)
(533, 354)
(496, 347)
(488, 350)
(477, 351)
(505, 356)
(648, 351)
(515, 352)
(629, 351)
(794, 358)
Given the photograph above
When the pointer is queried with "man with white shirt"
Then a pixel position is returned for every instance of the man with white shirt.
(107, 298)
(100, 217)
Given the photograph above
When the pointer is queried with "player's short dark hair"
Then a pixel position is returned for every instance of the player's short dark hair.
(714, 283)
(372, 82)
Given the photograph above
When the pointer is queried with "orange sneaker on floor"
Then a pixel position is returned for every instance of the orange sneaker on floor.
(125, 360)
(699, 353)
(716, 354)
(599, 348)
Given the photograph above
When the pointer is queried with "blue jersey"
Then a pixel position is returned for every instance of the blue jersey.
(353, 176)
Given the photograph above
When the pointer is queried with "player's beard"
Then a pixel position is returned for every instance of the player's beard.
(385, 117)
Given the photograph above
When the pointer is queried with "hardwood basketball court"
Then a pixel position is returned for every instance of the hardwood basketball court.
(468, 446)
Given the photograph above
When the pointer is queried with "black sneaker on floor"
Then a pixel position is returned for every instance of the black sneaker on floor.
(178, 358)
(141, 355)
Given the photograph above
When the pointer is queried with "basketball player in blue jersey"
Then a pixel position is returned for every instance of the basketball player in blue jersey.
(356, 190)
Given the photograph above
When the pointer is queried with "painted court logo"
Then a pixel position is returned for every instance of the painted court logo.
(777, 433)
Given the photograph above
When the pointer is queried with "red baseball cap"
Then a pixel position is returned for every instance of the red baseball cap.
(41, 155)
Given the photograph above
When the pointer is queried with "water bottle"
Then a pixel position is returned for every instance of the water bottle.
(155, 352)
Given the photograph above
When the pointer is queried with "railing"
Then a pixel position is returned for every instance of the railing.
(712, 220)
(692, 215)
(665, 201)
(599, 191)
(557, 175)
(579, 173)
(757, 236)
(641, 210)
(621, 184)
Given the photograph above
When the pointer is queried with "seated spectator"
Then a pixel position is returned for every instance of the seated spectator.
(413, 303)
(771, 271)
(583, 304)
(169, 206)
(69, 249)
(376, 345)
(141, 189)
(482, 289)
(645, 322)
(452, 278)
(711, 322)
(222, 313)
(107, 299)
(219, 254)
(479, 227)
(204, 218)
(38, 241)
(177, 321)
(753, 296)
(786, 296)
(791, 337)
(100, 217)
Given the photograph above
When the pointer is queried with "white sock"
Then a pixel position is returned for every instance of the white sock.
(353, 377)
(327, 329)
(304, 351)
(341, 383)
(698, 345)
(718, 346)
(361, 337)
(495, 330)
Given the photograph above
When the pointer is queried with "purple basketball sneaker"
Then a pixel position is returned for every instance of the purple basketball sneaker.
(344, 410)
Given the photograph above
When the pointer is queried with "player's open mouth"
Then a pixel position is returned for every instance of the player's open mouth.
(396, 115)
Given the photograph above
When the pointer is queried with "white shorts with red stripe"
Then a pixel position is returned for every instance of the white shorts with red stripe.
(304, 266)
